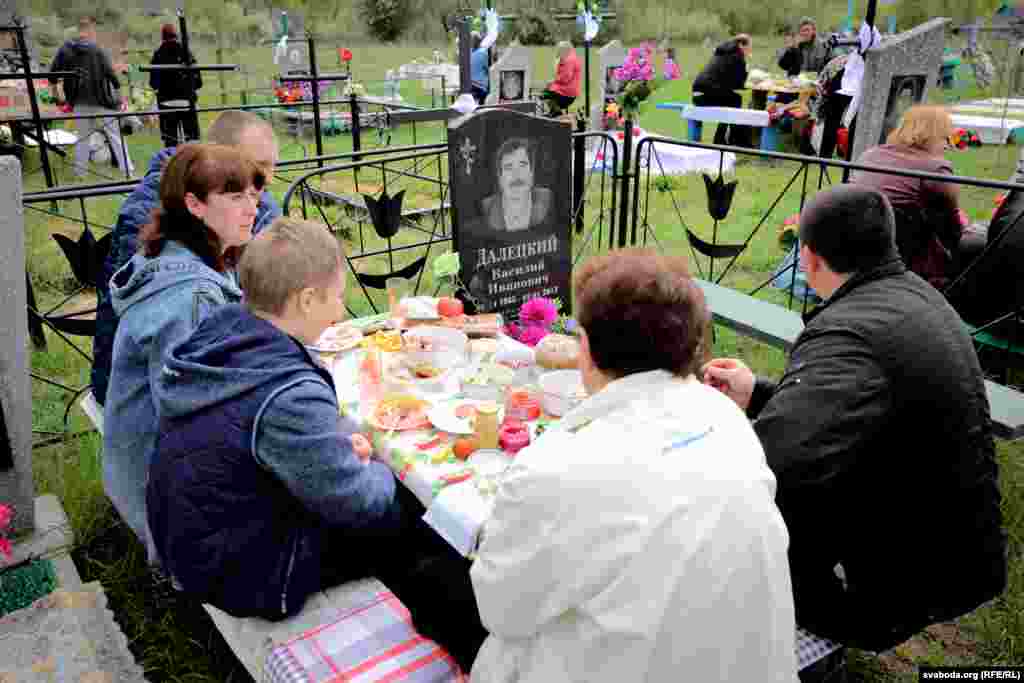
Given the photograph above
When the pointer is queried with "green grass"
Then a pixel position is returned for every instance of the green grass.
(172, 637)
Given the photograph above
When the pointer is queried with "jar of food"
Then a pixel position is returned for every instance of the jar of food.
(521, 405)
(487, 425)
(514, 436)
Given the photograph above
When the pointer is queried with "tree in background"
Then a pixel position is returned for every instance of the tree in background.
(386, 19)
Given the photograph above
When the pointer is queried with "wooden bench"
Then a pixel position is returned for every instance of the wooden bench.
(779, 327)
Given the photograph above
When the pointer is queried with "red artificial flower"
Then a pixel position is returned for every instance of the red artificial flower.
(345, 54)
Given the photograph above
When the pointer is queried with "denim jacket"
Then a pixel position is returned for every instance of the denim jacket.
(159, 302)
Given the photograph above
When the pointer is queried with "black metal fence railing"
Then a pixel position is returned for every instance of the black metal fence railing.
(648, 175)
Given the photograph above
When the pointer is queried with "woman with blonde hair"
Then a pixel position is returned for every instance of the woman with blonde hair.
(929, 223)
(564, 90)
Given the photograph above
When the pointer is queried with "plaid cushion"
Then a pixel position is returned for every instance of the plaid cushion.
(374, 642)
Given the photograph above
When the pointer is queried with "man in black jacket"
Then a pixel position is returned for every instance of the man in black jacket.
(93, 90)
(717, 82)
(879, 435)
(174, 89)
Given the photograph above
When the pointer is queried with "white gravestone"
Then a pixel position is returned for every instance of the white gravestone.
(510, 76)
(610, 57)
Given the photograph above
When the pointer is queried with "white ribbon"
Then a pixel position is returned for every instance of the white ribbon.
(853, 75)
(491, 26)
(281, 49)
(465, 104)
(591, 25)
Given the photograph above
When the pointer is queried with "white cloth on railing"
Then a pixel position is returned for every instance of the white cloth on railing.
(853, 74)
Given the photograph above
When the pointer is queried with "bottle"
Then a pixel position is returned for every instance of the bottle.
(487, 425)
(772, 98)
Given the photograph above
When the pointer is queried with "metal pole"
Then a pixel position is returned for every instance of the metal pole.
(627, 153)
(316, 101)
(586, 67)
(44, 157)
(579, 173)
(465, 45)
(183, 30)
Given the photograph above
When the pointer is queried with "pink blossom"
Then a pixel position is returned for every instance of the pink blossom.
(6, 514)
(538, 311)
(532, 334)
(512, 330)
(672, 72)
(5, 547)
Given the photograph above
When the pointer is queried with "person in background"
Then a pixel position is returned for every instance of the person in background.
(680, 514)
(245, 131)
(182, 272)
(803, 51)
(884, 357)
(259, 494)
(564, 90)
(929, 223)
(717, 83)
(479, 70)
(93, 90)
(175, 86)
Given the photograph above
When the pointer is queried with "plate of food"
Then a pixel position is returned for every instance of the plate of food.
(455, 416)
(399, 413)
(337, 338)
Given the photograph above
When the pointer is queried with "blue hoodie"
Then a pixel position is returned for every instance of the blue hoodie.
(136, 211)
(159, 302)
(254, 470)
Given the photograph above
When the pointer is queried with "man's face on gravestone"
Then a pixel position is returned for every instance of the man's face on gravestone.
(516, 175)
(511, 85)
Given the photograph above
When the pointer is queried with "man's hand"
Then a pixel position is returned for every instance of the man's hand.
(732, 377)
(789, 42)
(361, 446)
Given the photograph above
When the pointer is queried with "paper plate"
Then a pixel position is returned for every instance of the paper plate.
(446, 416)
(415, 408)
(337, 338)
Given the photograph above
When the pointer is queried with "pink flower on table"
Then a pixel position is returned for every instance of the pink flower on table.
(5, 547)
(538, 312)
(532, 334)
(6, 515)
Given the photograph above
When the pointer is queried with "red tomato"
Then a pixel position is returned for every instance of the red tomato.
(464, 447)
(448, 307)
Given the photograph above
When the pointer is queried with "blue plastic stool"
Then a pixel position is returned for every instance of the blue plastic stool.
(695, 129)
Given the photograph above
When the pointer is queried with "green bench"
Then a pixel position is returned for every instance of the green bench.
(779, 327)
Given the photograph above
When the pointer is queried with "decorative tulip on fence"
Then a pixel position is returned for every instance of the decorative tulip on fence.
(386, 214)
(720, 194)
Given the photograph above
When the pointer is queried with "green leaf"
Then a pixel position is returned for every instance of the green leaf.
(447, 265)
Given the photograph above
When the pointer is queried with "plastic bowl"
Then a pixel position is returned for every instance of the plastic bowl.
(560, 391)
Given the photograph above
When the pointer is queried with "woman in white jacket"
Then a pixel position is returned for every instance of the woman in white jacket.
(638, 539)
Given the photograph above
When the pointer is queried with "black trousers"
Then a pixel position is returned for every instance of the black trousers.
(833, 112)
(725, 133)
(425, 573)
(559, 103)
(169, 122)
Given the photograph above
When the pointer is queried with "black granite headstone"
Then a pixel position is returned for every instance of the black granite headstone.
(510, 183)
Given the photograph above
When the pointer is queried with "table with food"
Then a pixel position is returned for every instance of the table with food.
(448, 401)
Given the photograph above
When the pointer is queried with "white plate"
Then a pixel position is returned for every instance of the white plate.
(442, 415)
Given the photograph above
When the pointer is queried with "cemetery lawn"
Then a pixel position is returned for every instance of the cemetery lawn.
(172, 637)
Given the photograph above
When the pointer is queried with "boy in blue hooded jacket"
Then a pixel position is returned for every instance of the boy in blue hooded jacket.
(257, 497)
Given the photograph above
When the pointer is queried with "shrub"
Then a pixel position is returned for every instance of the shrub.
(535, 29)
(386, 19)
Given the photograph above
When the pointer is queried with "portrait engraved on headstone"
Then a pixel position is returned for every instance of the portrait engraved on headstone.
(510, 75)
(510, 182)
(905, 92)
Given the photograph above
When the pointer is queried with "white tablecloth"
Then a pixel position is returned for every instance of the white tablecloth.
(665, 159)
(458, 511)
